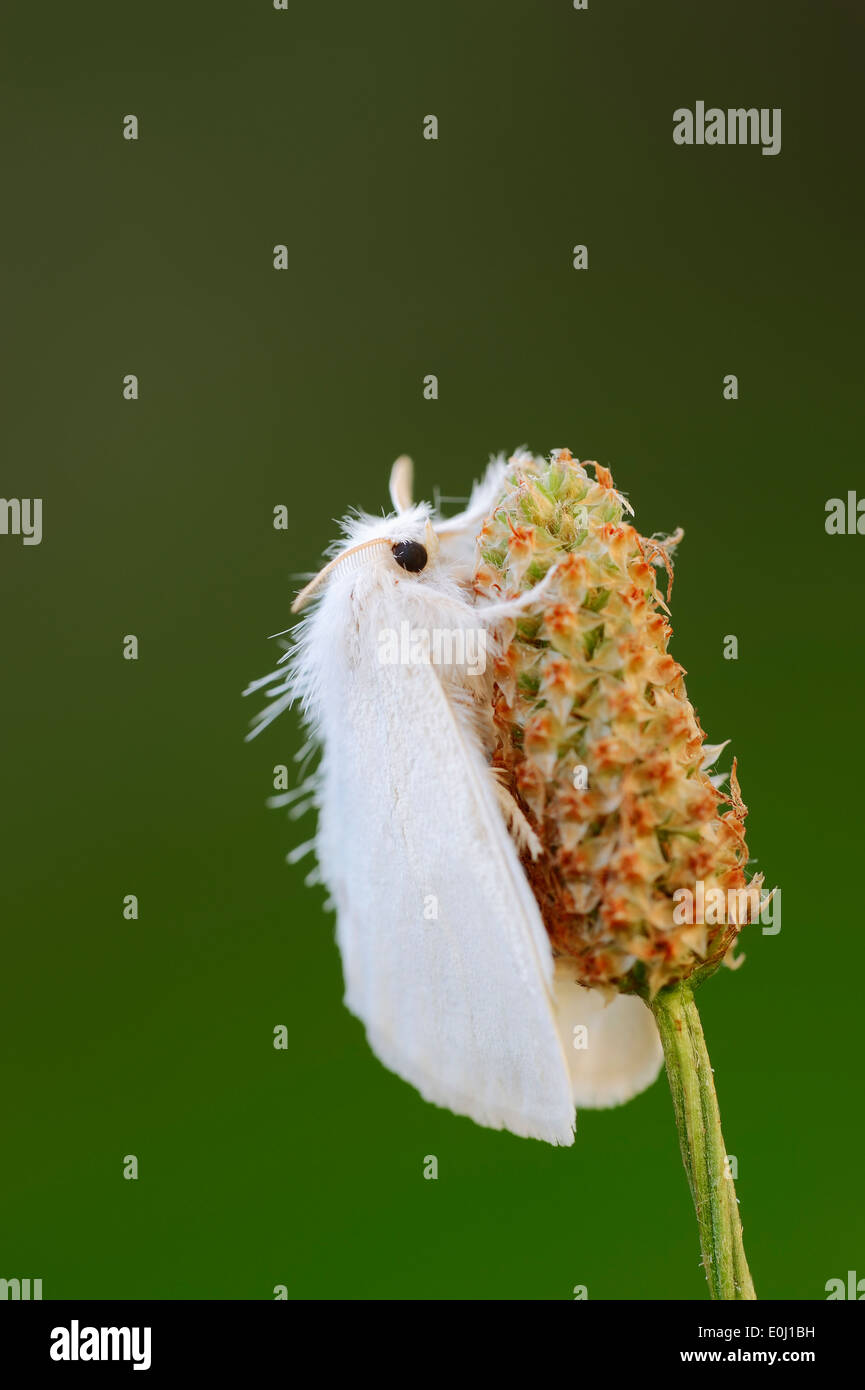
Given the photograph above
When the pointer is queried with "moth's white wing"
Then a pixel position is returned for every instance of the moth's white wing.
(458, 533)
(619, 1052)
(483, 495)
(445, 956)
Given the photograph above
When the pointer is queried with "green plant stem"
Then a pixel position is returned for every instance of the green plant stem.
(702, 1143)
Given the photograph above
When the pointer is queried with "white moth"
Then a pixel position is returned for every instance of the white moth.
(446, 959)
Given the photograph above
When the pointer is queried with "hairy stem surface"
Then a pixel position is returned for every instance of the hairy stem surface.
(703, 1152)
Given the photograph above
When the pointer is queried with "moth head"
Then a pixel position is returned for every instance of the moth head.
(406, 541)
(415, 555)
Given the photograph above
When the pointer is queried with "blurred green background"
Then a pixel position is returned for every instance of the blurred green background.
(258, 388)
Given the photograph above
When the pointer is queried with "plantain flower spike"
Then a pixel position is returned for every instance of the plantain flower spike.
(598, 740)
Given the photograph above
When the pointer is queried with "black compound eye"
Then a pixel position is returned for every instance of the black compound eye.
(411, 555)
